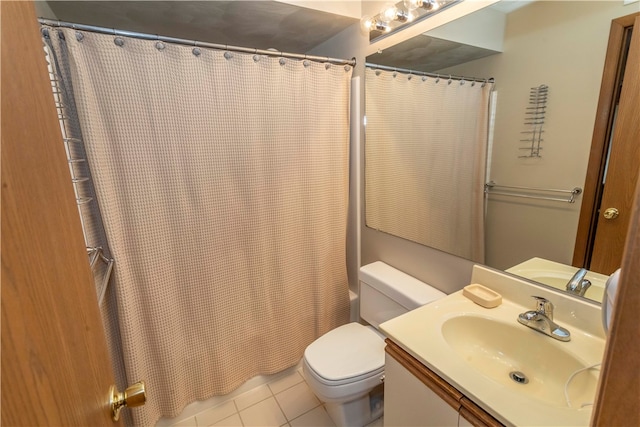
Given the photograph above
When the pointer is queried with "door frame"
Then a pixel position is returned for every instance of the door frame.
(600, 142)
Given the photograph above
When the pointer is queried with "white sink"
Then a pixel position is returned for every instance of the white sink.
(476, 350)
(521, 360)
(557, 275)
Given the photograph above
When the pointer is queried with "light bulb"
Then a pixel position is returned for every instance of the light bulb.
(388, 13)
(367, 24)
(403, 16)
(381, 26)
(430, 4)
(412, 4)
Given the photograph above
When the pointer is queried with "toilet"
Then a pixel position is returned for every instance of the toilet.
(345, 366)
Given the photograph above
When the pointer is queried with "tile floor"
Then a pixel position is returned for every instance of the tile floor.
(287, 401)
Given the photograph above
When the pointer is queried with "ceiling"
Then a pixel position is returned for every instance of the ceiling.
(426, 53)
(261, 24)
(431, 54)
(257, 24)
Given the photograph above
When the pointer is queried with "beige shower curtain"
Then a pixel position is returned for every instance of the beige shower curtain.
(222, 181)
(425, 152)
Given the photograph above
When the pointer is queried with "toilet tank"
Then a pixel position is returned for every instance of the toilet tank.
(386, 293)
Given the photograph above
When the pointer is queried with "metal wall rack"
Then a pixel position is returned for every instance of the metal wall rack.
(534, 119)
(79, 177)
(94, 254)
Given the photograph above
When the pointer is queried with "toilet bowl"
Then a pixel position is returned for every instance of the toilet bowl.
(345, 366)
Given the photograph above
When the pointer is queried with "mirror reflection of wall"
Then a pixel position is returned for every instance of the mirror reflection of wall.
(430, 166)
(561, 44)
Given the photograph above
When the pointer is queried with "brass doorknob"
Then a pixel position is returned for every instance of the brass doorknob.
(611, 213)
(134, 395)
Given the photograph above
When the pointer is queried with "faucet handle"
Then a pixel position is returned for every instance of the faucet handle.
(544, 306)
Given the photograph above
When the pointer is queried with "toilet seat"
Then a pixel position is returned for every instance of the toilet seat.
(347, 354)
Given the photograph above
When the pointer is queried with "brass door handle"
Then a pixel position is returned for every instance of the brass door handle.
(134, 395)
(611, 213)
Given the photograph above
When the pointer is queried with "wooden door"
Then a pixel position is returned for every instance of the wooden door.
(600, 240)
(55, 365)
(623, 169)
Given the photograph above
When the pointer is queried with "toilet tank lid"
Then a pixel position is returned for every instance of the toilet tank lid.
(406, 290)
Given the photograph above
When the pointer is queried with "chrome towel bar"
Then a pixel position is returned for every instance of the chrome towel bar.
(528, 192)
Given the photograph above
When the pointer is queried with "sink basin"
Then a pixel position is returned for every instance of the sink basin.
(521, 359)
(557, 275)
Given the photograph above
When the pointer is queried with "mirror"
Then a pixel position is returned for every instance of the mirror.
(523, 45)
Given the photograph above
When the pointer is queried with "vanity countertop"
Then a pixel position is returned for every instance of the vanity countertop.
(557, 275)
(476, 349)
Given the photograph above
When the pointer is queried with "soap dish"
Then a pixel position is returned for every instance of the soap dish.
(482, 296)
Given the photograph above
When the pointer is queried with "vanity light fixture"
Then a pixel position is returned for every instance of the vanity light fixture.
(393, 15)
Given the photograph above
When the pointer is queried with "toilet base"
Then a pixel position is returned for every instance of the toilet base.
(359, 412)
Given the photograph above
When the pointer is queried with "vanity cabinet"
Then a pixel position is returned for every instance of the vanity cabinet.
(416, 396)
(407, 402)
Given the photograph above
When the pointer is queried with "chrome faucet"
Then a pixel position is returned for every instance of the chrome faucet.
(578, 285)
(541, 319)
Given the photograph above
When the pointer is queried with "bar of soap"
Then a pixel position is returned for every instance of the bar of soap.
(482, 296)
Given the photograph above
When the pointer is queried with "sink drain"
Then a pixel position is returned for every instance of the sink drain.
(519, 377)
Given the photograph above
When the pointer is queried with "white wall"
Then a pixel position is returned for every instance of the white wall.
(561, 44)
(351, 8)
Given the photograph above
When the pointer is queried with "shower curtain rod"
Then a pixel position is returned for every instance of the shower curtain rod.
(145, 36)
(427, 74)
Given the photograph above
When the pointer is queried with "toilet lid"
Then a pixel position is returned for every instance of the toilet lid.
(347, 352)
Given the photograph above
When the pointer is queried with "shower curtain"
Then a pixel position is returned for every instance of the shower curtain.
(425, 152)
(222, 180)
